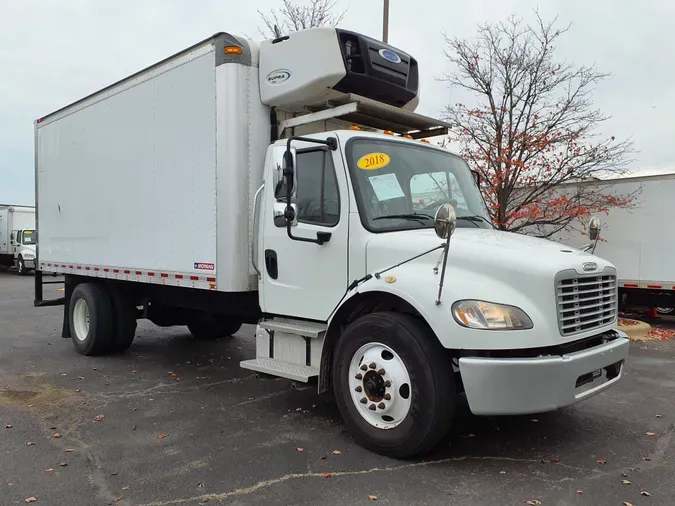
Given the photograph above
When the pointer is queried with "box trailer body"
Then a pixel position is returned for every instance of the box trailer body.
(17, 237)
(287, 184)
(635, 241)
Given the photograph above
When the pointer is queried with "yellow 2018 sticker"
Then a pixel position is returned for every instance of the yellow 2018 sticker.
(373, 161)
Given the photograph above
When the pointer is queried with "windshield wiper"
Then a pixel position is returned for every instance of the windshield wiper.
(411, 216)
(475, 219)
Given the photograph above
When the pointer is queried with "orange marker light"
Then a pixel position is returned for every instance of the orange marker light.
(354, 127)
(388, 132)
(407, 136)
(233, 50)
(426, 141)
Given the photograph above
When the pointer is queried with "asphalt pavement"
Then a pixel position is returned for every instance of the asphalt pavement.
(178, 422)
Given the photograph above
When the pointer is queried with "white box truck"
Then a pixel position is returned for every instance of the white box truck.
(17, 238)
(288, 184)
(636, 240)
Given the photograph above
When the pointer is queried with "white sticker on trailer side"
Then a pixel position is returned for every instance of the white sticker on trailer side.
(129, 176)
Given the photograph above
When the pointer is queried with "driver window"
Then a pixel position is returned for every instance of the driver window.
(317, 198)
(430, 188)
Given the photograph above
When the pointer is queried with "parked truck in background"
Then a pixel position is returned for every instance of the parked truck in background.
(18, 238)
(314, 209)
(636, 240)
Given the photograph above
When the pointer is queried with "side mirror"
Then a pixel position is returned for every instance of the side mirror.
(476, 177)
(445, 221)
(594, 228)
(286, 162)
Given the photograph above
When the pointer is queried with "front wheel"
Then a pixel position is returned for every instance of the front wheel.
(21, 267)
(394, 384)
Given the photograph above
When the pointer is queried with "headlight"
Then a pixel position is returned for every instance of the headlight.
(476, 314)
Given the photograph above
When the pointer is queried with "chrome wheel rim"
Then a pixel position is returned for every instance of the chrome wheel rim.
(81, 319)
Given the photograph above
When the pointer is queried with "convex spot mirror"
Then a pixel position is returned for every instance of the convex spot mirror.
(286, 163)
(445, 221)
(594, 228)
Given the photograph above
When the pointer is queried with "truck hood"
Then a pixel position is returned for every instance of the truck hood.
(481, 249)
(488, 265)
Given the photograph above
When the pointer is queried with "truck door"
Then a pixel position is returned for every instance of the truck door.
(304, 279)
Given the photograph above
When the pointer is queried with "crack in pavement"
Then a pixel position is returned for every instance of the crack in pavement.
(294, 476)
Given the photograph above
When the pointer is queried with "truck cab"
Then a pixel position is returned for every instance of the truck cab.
(23, 243)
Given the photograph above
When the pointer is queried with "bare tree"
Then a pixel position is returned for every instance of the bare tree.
(532, 128)
(293, 16)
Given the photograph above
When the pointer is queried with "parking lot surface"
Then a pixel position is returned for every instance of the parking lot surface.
(174, 422)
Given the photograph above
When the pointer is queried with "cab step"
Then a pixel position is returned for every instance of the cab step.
(288, 348)
(281, 369)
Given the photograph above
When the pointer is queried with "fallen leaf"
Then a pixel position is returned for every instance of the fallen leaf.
(534, 420)
(161, 436)
(125, 488)
(502, 472)
(48, 470)
(533, 502)
(602, 461)
(649, 434)
(300, 450)
(134, 371)
(117, 499)
(580, 491)
(93, 368)
(114, 474)
(298, 410)
(63, 464)
(372, 498)
(625, 482)
(626, 503)
(646, 458)
(56, 436)
(172, 374)
(323, 457)
(8, 426)
(337, 452)
(327, 475)
(30, 443)
(80, 377)
(659, 416)
(555, 459)
(645, 493)
(78, 390)
(68, 450)
(31, 499)
(99, 418)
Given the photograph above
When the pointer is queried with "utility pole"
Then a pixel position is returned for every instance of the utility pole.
(385, 22)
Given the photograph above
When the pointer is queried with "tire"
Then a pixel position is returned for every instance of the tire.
(21, 267)
(94, 337)
(210, 329)
(124, 322)
(397, 340)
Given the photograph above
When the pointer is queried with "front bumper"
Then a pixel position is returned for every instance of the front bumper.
(512, 386)
(30, 264)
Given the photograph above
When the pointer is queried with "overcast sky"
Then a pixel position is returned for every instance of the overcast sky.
(53, 52)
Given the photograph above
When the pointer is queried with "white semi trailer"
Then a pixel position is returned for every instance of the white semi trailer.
(17, 238)
(297, 171)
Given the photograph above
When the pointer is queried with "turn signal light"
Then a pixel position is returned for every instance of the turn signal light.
(354, 127)
(388, 132)
(233, 50)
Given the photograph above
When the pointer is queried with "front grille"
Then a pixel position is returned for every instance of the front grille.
(585, 302)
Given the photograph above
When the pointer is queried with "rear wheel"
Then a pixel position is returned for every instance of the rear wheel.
(393, 384)
(210, 328)
(91, 319)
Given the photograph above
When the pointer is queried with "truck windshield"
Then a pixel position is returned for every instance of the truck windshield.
(399, 186)
(29, 237)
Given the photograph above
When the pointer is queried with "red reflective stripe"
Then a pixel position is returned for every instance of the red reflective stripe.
(127, 272)
(106, 270)
(117, 271)
(79, 267)
(138, 273)
(164, 275)
(654, 286)
(96, 269)
(630, 285)
(86, 268)
(212, 280)
(194, 278)
(151, 273)
(179, 276)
